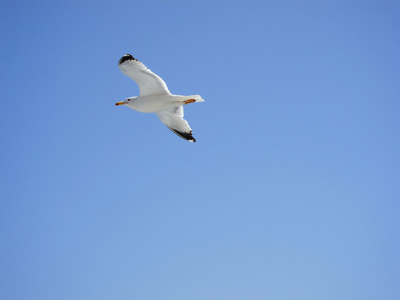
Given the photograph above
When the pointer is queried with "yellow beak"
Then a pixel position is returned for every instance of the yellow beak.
(120, 103)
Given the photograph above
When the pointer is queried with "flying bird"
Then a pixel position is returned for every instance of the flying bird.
(154, 97)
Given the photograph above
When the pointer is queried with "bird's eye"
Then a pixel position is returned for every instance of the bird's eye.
(129, 99)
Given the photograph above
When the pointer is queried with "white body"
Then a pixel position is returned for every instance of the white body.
(156, 103)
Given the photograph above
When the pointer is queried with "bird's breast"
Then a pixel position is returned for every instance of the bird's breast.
(151, 104)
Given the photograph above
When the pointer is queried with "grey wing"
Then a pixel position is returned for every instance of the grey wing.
(174, 120)
(148, 82)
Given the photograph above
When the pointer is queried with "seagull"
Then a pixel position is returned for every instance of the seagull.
(154, 97)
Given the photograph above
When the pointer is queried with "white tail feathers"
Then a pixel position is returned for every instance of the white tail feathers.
(197, 98)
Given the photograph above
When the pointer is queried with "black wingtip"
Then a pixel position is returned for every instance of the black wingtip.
(185, 135)
(125, 58)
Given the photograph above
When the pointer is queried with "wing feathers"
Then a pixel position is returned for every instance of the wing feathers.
(174, 120)
(148, 82)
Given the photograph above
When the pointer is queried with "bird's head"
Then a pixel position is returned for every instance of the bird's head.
(127, 101)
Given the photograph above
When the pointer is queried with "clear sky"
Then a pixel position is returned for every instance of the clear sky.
(291, 191)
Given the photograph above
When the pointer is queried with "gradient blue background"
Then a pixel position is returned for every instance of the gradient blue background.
(291, 192)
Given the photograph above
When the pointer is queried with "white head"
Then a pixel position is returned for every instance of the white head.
(128, 101)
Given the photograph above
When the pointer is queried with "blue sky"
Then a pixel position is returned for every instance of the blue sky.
(291, 191)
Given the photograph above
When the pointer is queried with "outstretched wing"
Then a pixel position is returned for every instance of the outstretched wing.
(148, 82)
(174, 120)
